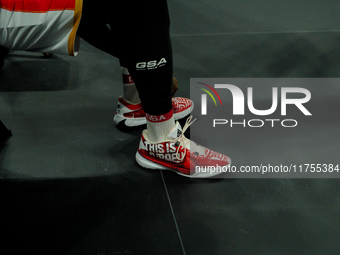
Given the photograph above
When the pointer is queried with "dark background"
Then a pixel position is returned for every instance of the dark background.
(69, 182)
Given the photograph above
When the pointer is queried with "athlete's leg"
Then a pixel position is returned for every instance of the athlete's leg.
(147, 54)
(140, 37)
(141, 40)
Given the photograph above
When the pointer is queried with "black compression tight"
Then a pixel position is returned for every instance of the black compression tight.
(139, 36)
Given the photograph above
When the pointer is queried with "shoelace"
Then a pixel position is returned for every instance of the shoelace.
(182, 138)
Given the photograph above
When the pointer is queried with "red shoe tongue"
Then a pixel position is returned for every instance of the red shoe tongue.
(175, 132)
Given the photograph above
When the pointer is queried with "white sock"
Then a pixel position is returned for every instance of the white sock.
(130, 90)
(159, 126)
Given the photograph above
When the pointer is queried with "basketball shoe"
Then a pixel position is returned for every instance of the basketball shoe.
(179, 154)
(131, 115)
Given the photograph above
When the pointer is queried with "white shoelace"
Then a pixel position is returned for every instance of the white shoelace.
(182, 138)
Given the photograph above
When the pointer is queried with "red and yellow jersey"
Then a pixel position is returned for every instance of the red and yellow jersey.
(40, 25)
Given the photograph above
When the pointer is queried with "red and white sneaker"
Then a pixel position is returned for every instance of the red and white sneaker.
(132, 115)
(179, 154)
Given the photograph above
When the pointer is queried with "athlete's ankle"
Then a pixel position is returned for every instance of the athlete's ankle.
(159, 126)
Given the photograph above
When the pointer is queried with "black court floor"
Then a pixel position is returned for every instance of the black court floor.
(68, 179)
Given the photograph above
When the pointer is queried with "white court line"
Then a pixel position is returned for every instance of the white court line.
(173, 214)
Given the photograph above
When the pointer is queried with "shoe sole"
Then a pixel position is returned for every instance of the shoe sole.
(134, 122)
(120, 120)
(143, 162)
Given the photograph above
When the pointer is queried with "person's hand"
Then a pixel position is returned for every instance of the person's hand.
(174, 85)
